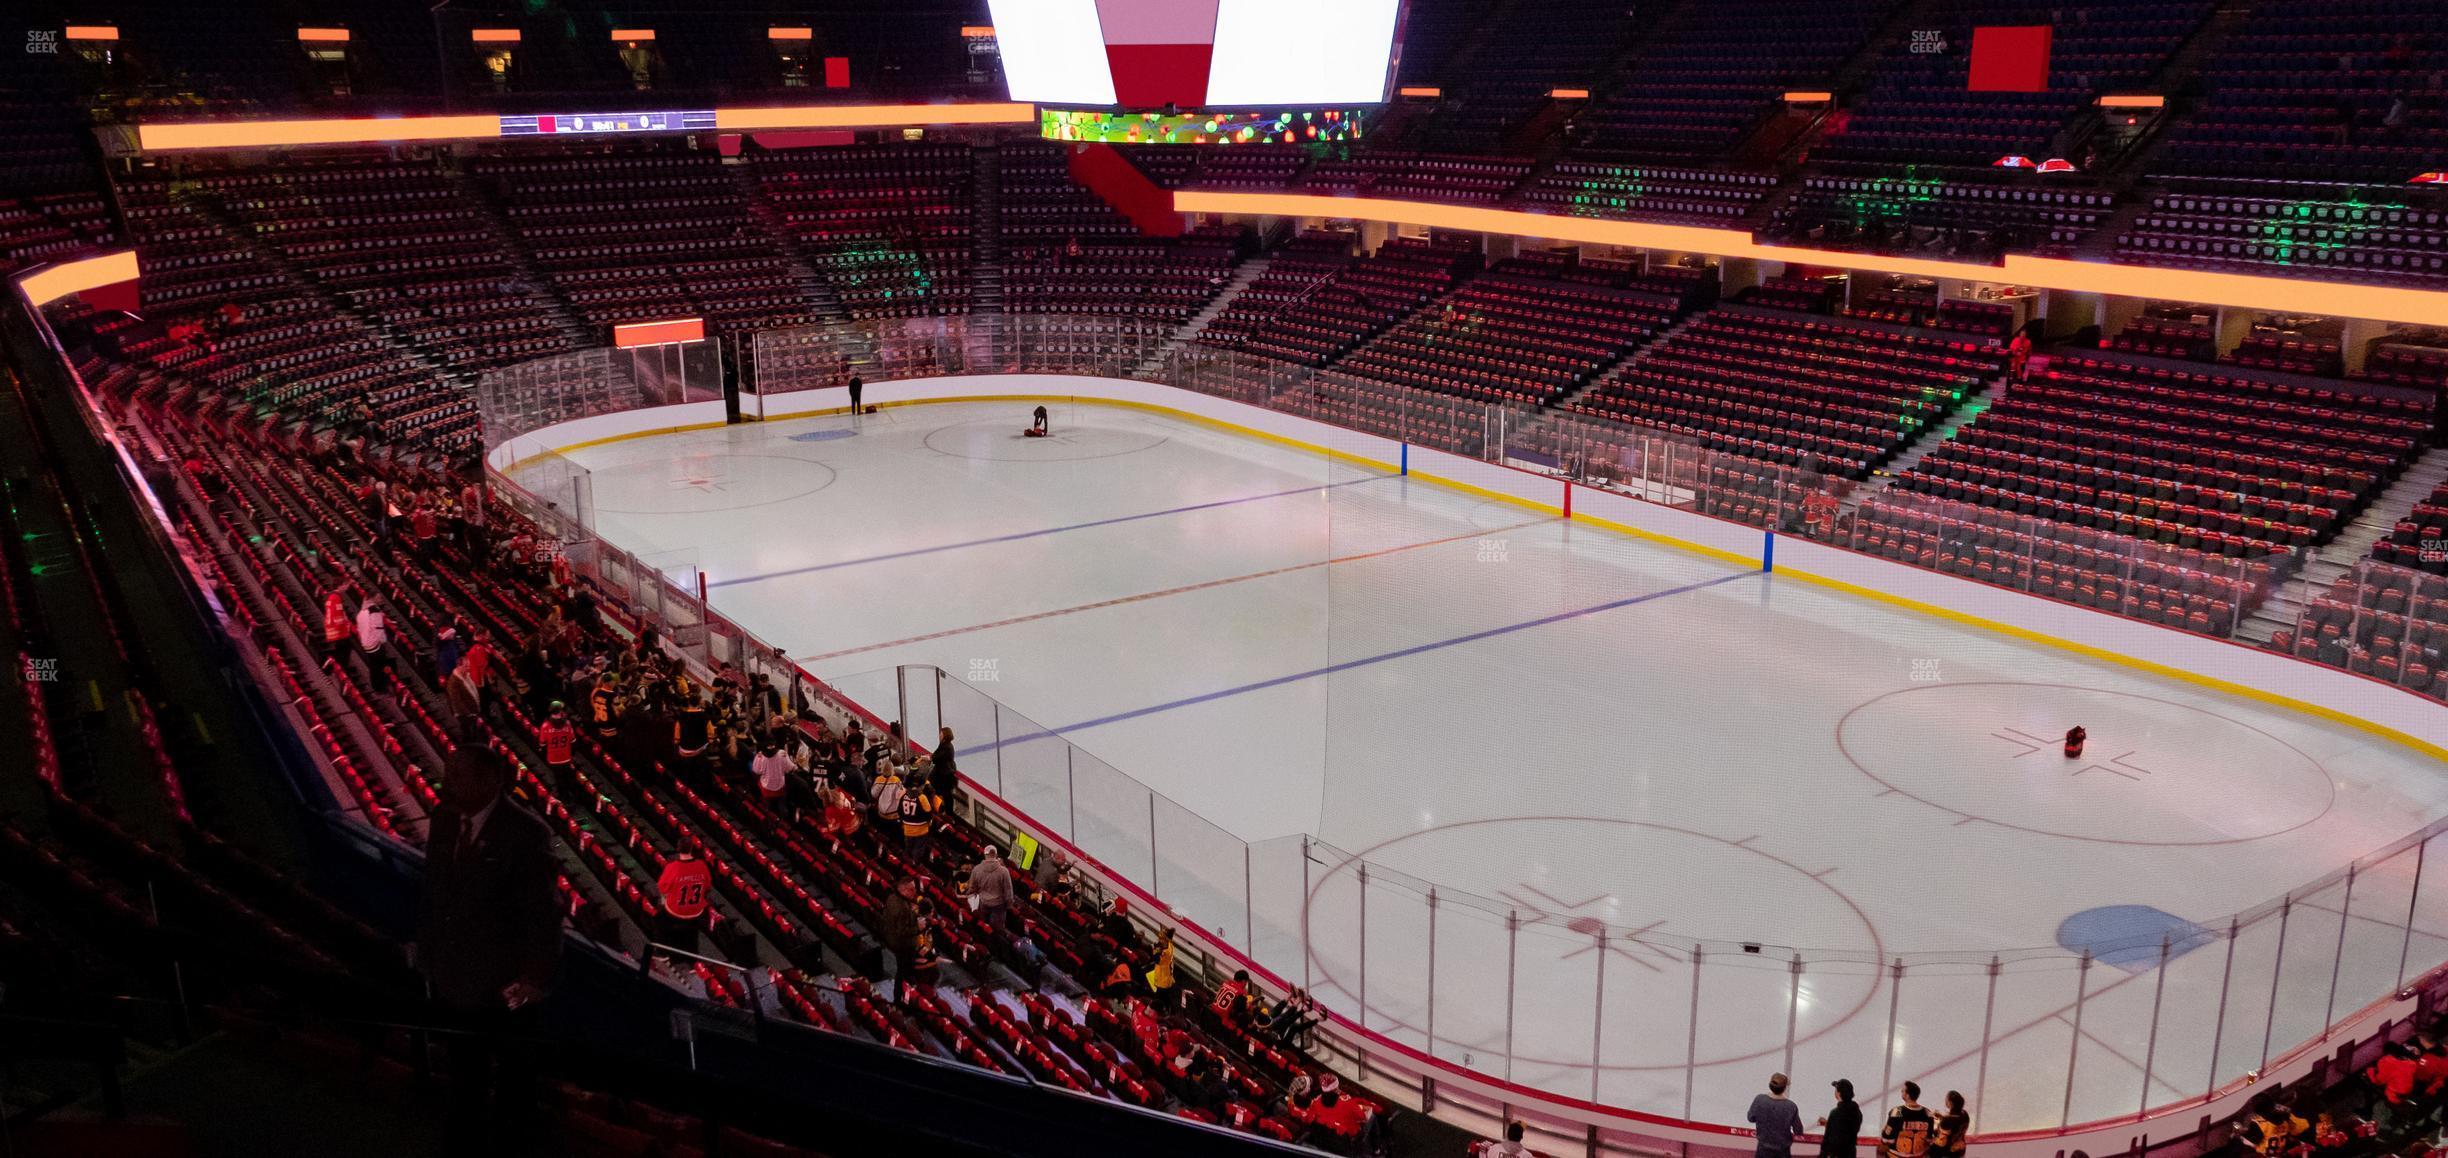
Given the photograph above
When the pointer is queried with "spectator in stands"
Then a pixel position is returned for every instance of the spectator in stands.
(1775, 1120)
(1231, 1005)
(1954, 1127)
(897, 929)
(990, 890)
(424, 527)
(2280, 1126)
(476, 667)
(886, 794)
(1299, 1095)
(339, 631)
(488, 939)
(539, 679)
(919, 804)
(1288, 1021)
(1840, 1130)
(448, 645)
(2393, 1078)
(1344, 1121)
(460, 697)
(773, 771)
(692, 733)
(683, 886)
(1160, 980)
(1511, 1147)
(837, 816)
(945, 777)
(373, 642)
(604, 705)
(2430, 1068)
(472, 521)
(1907, 1132)
(560, 741)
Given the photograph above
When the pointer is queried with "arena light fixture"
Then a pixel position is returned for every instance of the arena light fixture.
(1420, 90)
(494, 35)
(875, 116)
(632, 35)
(335, 131)
(1568, 94)
(2133, 101)
(791, 33)
(90, 32)
(323, 35)
(1809, 97)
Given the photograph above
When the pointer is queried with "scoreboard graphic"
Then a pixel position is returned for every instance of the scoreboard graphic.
(596, 124)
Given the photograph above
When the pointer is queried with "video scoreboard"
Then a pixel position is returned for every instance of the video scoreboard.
(1199, 54)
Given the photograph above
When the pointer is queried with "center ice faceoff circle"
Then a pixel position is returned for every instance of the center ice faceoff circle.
(2153, 771)
(705, 483)
(1600, 876)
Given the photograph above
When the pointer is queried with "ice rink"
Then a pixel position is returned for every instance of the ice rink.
(1593, 733)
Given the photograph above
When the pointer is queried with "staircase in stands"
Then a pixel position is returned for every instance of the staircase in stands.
(813, 285)
(985, 233)
(2352, 545)
(565, 314)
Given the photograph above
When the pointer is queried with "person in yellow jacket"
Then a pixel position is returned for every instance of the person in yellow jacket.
(1160, 977)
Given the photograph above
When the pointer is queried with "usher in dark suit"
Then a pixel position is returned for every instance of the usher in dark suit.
(490, 918)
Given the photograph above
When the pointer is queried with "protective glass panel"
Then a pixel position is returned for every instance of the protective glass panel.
(2429, 948)
(2243, 1038)
(1555, 988)
(2030, 1047)
(1035, 766)
(1746, 1002)
(1334, 931)
(2375, 926)
(1203, 873)
(1281, 874)
(1468, 985)
(1114, 819)
(1939, 1008)
(1843, 1027)
(976, 743)
(1396, 968)
(2310, 966)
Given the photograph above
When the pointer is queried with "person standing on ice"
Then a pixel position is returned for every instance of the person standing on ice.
(1775, 1120)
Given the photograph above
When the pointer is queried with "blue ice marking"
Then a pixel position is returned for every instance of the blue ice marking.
(2129, 936)
(823, 435)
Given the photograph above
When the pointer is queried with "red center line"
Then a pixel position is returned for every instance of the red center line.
(1147, 595)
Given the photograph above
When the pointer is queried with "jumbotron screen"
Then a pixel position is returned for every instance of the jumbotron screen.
(1193, 54)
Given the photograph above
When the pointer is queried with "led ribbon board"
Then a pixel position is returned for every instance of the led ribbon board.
(1089, 126)
(592, 124)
